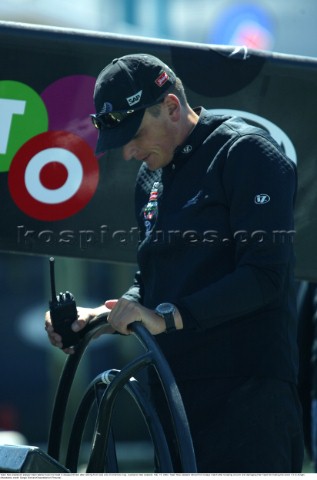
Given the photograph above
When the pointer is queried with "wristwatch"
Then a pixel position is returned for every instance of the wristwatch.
(166, 311)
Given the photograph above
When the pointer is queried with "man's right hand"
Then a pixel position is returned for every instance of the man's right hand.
(85, 315)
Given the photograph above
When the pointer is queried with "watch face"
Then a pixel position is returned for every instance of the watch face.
(165, 308)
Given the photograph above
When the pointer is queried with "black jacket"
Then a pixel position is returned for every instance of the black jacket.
(219, 246)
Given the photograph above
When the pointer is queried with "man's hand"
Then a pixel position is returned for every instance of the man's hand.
(124, 312)
(85, 315)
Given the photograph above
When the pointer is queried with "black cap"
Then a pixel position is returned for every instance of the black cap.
(128, 84)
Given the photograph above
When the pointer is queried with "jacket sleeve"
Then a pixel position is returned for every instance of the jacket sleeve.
(135, 292)
(260, 184)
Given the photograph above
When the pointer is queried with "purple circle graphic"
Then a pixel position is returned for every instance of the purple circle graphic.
(69, 101)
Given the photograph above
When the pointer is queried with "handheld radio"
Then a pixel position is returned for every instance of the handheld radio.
(63, 312)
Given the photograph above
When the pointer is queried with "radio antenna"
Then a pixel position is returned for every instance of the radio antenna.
(52, 275)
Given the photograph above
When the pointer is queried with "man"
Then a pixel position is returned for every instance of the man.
(307, 377)
(215, 279)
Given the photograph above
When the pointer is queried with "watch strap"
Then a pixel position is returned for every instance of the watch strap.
(169, 322)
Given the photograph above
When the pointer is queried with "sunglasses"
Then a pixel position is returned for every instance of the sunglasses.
(109, 120)
(113, 119)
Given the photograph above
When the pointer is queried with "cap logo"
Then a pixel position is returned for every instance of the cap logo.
(161, 79)
(106, 108)
(134, 98)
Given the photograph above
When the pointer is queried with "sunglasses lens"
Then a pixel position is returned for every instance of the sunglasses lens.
(109, 120)
(113, 119)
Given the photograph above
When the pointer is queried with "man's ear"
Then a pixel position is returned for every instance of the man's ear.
(173, 106)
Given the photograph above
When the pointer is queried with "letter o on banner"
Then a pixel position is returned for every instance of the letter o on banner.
(53, 176)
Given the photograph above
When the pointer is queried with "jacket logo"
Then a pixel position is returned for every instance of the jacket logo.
(187, 149)
(261, 198)
(134, 98)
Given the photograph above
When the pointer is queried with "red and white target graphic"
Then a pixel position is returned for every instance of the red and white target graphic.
(53, 176)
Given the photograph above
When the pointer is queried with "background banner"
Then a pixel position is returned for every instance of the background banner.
(57, 198)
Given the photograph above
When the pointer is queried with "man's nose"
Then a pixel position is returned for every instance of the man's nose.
(130, 151)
